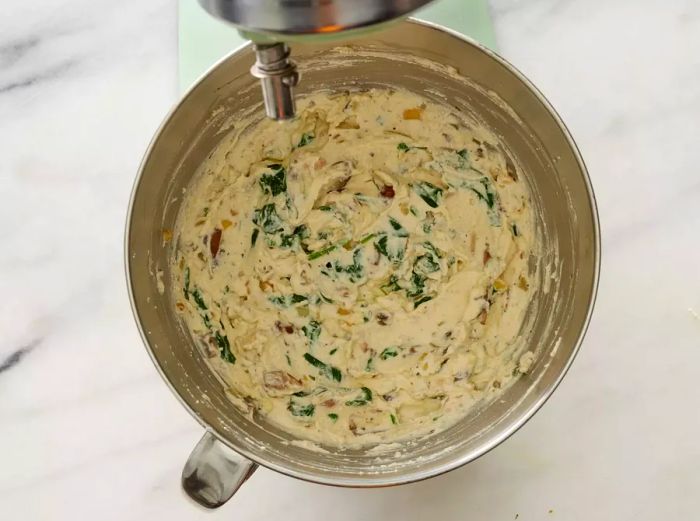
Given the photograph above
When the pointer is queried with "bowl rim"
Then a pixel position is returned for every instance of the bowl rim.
(462, 459)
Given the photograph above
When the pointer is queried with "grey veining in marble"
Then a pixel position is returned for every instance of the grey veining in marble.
(88, 430)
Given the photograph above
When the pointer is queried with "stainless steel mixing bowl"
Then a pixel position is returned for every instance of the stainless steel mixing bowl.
(495, 93)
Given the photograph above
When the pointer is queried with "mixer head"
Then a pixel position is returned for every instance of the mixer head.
(270, 24)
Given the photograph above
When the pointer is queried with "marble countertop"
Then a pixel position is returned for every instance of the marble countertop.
(89, 431)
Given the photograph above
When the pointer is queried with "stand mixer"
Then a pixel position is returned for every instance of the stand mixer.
(272, 24)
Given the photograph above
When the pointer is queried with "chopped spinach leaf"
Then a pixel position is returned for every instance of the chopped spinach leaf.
(361, 400)
(368, 367)
(326, 208)
(354, 270)
(197, 296)
(299, 233)
(300, 410)
(464, 154)
(394, 251)
(396, 225)
(389, 352)
(381, 245)
(514, 228)
(275, 183)
(367, 238)
(267, 219)
(287, 300)
(333, 351)
(254, 237)
(333, 416)
(417, 285)
(279, 300)
(393, 419)
(487, 196)
(325, 299)
(306, 138)
(187, 283)
(426, 264)
(205, 319)
(289, 360)
(429, 193)
(414, 211)
(421, 301)
(330, 372)
(312, 330)
(224, 348)
(484, 192)
(391, 285)
(432, 249)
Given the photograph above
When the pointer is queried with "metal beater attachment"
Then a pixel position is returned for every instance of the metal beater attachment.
(278, 75)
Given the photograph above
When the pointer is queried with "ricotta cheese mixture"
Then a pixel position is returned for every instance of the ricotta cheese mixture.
(359, 274)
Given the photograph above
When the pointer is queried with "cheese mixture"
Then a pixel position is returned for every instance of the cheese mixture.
(359, 274)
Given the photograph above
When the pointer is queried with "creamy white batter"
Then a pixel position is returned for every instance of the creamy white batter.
(359, 274)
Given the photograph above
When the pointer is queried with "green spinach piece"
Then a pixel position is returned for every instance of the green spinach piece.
(306, 138)
(382, 244)
(275, 183)
(287, 300)
(224, 348)
(421, 301)
(389, 352)
(417, 285)
(488, 196)
(299, 233)
(484, 192)
(325, 298)
(267, 219)
(432, 249)
(393, 419)
(365, 397)
(393, 254)
(333, 416)
(298, 409)
(197, 296)
(391, 285)
(330, 372)
(354, 270)
(312, 330)
(187, 283)
(426, 264)
(429, 193)
(254, 237)
(400, 231)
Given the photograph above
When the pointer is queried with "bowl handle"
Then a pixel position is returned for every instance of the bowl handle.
(213, 472)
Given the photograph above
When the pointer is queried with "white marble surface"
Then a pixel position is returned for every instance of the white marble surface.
(89, 431)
